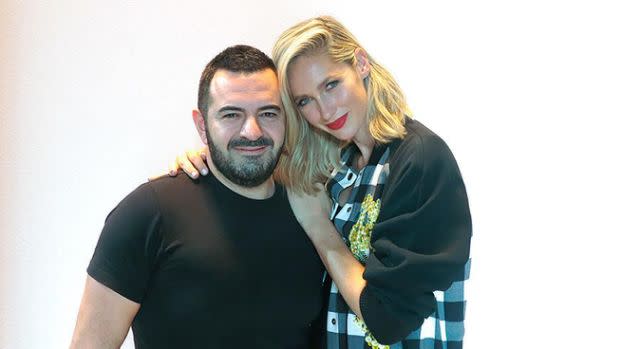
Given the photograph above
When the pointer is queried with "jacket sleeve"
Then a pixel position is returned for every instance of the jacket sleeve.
(420, 243)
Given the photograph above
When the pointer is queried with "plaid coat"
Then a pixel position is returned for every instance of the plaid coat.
(406, 218)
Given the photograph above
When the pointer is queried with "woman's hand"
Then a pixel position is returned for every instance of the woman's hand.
(192, 162)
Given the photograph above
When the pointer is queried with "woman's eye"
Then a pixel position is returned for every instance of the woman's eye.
(302, 102)
(332, 84)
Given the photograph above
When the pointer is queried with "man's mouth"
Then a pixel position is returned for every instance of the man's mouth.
(251, 147)
(252, 150)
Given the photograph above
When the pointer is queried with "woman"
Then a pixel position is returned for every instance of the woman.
(395, 236)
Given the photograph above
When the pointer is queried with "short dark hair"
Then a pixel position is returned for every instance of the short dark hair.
(237, 59)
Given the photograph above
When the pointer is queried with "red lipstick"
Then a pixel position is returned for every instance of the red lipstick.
(336, 125)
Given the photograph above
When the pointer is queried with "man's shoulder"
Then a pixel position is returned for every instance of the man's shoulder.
(168, 182)
(149, 196)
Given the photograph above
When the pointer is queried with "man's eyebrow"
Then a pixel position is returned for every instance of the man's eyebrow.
(270, 107)
(229, 108)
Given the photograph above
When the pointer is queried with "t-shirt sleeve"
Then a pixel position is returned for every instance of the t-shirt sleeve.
(420, 243)
(128, 246)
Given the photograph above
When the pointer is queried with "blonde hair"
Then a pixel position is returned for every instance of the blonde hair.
(309, 154)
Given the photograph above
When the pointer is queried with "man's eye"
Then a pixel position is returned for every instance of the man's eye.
(302, 102)
(230, 116)
(269, 114)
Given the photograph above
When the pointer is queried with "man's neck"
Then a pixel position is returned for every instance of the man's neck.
(259, 192)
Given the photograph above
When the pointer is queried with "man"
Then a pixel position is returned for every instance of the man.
(218, 262)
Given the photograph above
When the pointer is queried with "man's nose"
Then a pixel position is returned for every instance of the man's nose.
(251, 128)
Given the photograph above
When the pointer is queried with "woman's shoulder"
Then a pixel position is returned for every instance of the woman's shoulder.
(419, 144)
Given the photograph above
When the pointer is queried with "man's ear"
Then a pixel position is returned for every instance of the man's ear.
(198, 120)
(363, 67)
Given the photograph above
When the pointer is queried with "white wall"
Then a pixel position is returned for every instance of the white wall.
(537, 99)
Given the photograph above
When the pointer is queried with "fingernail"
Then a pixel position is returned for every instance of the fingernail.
(172, 172)
(194, 174)
(204, 171)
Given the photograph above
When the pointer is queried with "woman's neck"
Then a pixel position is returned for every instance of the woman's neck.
(365, 144)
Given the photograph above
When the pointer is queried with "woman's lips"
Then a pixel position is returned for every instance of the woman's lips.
(336, 125)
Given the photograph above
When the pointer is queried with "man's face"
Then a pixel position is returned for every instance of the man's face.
(245, 125)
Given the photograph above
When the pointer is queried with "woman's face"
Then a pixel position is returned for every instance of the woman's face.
(331, 96)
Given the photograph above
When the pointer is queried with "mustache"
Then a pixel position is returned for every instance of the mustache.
(243, 142)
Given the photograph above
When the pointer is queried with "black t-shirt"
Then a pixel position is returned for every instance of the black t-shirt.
(210, 268)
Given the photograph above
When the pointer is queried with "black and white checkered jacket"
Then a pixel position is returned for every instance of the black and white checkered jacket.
(407, 220)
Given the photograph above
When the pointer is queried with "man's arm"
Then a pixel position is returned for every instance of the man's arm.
(104, 318)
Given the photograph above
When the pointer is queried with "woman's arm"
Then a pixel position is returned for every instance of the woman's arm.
(420, 243)
(312, 212)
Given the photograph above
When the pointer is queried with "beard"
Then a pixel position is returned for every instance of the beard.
(247, 171)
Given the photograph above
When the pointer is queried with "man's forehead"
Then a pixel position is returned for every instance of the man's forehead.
(248, 91)
(226, 82)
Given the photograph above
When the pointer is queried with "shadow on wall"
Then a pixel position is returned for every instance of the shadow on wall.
(8, 122)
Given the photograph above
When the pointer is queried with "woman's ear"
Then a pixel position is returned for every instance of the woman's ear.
(363, 67)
